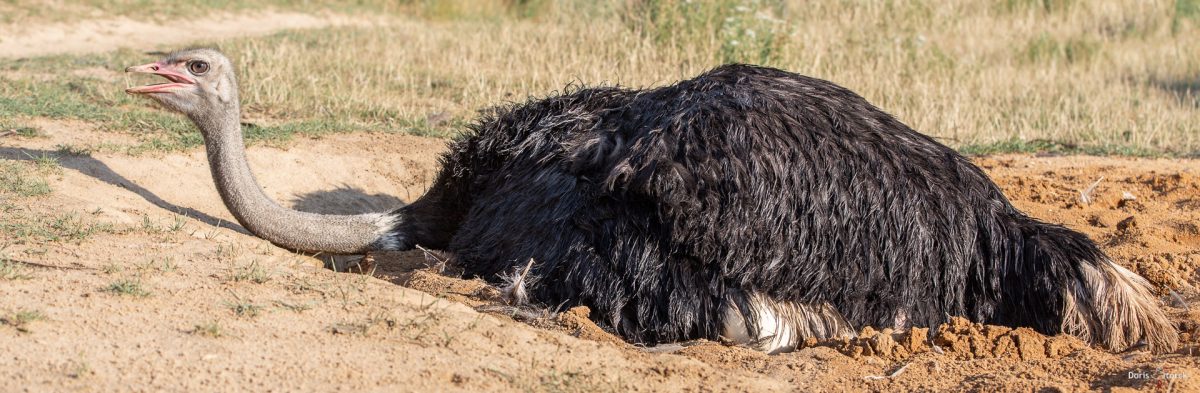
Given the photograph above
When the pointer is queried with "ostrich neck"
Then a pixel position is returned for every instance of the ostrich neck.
(291, 229)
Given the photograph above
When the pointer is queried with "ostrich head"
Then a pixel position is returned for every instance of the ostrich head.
(201, 83)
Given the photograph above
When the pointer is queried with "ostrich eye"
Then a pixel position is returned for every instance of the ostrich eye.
(197, 67)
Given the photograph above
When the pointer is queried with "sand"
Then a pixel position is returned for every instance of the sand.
(227, 311)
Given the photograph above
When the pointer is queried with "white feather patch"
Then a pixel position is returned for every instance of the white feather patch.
(387, 238)
(778, 326)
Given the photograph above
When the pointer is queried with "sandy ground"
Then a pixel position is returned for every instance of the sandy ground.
(308, 328)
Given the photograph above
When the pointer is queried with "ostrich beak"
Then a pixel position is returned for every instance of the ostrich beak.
(178, 79)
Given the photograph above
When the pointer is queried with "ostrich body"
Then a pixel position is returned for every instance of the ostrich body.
(748, 203)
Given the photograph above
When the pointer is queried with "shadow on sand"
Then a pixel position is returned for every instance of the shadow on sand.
(345, 200)
(101, 171)
(341, 200)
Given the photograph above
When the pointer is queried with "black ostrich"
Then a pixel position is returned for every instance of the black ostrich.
(747, 203)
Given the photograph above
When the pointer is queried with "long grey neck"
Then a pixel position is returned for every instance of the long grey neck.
(291, 229)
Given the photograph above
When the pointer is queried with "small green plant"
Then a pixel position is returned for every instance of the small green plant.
(23, 131)
(165, 264)
(72, 150)
(128, 287)
(297, 307)
(364, 327)
(18, 179)
(1046, 6)
(20, 320)
(11, 270)
(209, 329)
(65, 227)
(1046, 48)
(177, 223)
(251, 272)
(112, 268)
(71, 227)
(244, 309)
(149, 226)
(46, 163)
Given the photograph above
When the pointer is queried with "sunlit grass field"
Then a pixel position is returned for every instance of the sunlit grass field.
(1104, 77)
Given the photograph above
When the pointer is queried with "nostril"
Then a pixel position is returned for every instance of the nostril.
(155, 68)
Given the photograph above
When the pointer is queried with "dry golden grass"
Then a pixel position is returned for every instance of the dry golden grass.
(1114, 76)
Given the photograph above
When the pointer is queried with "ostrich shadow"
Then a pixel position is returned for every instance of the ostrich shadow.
(341, 200)
(345, 200)
(97, 169)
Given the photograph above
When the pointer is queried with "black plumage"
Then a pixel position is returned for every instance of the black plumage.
(661, 208)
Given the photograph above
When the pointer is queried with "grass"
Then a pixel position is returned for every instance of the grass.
(11, 127)
(1053, 147)
(295, 307)
(20, 320)
(1072, 72)
(21, 179)
(251, 272)
(209, 329)
(11, 270)
(111, 267)
(46, 163)
(128, 287)
(152, 226)
(164, 264)
(244, 309)
(63, 227)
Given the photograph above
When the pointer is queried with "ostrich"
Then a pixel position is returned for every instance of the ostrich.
(747, 204)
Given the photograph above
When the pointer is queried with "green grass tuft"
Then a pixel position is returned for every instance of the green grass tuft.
(21, 180)
(10, 127)
(12, 270)
(1047, 48)
(20, 320)
(1041, 146)
(209, 329)
(65, 227)
(244, 309)
(251, 272)
(1046, 6)
(128, 287)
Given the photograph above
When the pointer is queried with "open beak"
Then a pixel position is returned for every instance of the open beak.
(177, 79)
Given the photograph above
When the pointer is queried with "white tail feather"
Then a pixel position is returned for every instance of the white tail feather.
(1113, 306)
(776, 326)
